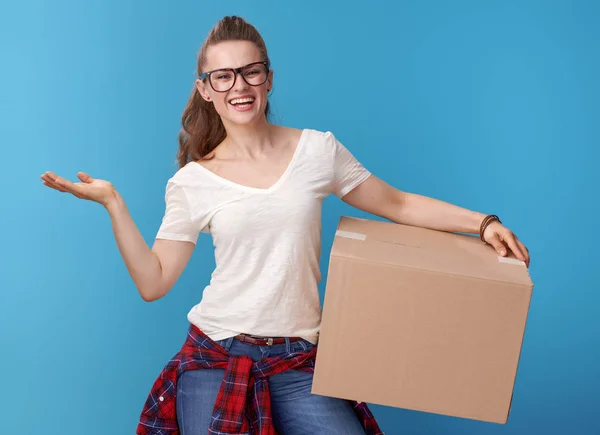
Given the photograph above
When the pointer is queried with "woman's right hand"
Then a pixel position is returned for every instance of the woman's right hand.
(92, 189)
(154, 271)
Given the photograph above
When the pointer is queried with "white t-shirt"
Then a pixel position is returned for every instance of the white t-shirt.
(267, 241)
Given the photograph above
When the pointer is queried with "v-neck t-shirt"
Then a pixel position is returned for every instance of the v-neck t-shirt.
(267, 241)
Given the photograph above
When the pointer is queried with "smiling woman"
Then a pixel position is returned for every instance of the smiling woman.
(258, 189)
(232, 48)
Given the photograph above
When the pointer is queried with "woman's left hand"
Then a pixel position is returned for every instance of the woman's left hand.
(501, 238)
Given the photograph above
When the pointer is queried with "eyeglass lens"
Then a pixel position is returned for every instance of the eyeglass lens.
(223, 80)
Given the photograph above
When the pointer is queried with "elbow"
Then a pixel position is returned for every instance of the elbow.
(147, 298)
(397, 207)
(151, 295)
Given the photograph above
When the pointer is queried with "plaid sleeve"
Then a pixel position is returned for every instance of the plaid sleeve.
(159, 416)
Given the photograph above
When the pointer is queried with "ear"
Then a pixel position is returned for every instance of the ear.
(270, 81)
(202, 90)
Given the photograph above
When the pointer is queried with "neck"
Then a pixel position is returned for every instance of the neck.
(249, 140)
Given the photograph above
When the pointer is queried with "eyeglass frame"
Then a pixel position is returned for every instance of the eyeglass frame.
(236, 72)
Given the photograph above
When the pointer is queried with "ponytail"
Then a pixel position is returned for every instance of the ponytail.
(202, 129)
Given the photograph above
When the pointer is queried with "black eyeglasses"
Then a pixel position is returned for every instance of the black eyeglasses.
(222, 80)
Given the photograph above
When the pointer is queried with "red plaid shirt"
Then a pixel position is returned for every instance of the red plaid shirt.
(243, 405)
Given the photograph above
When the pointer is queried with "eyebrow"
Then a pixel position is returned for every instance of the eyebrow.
(230, 67)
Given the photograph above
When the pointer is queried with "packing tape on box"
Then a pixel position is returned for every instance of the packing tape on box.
(350, 235)
(508, 260)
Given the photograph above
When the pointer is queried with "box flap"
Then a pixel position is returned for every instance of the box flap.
(421, 248)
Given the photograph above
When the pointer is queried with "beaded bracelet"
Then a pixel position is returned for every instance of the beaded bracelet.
(484, 224)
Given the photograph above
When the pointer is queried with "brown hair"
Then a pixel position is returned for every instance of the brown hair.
(202, 128)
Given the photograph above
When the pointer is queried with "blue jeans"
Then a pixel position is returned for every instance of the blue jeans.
(296, 411)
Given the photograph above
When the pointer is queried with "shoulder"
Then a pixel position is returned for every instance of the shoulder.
(319, 143)
(190, 181)
(293, 134)
(318, 135)
(184, 176)
(287, 136)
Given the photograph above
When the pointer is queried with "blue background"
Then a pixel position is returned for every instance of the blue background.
(490, 105)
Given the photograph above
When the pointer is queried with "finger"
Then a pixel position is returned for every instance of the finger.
(86, 178)
(512, 244)
(68, 186)
(498, 245)
(50, 177)
(50, 183)
(52, 186)
(524, 250)
(51, 174)
(46, 176)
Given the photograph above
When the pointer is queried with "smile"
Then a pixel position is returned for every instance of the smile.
(242, 104)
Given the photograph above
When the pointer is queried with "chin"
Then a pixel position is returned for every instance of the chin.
(244, 118)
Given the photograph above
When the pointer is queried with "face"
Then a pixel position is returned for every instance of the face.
(243, 103)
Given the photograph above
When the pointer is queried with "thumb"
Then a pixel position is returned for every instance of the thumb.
(84, 177)
(498, 245)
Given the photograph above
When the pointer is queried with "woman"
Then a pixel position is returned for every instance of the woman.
(258, 189)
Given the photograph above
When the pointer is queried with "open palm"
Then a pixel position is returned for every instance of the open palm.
(89, 188)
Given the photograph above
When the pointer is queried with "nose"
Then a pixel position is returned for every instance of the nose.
(240, 84)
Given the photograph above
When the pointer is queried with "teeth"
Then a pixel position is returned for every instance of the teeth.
(242, 100)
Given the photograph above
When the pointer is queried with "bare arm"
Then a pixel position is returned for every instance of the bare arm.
(153, 270)
(379, 198)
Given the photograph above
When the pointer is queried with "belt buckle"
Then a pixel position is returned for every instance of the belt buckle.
(270, 341)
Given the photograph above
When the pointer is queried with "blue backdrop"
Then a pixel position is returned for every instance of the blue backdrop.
(491, 105)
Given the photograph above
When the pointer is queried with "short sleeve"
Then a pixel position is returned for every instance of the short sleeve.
(177, 223)
(348, 172)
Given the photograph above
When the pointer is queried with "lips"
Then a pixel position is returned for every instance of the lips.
(244, 100)
(243, 103)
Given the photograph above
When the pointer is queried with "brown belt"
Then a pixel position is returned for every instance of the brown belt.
(264, 341)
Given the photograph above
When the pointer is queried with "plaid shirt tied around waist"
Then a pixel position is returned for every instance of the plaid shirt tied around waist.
(243, 405)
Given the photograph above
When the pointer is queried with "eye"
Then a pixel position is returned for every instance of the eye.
(222, 76)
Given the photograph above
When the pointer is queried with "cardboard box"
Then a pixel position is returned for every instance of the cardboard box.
(422, 320)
